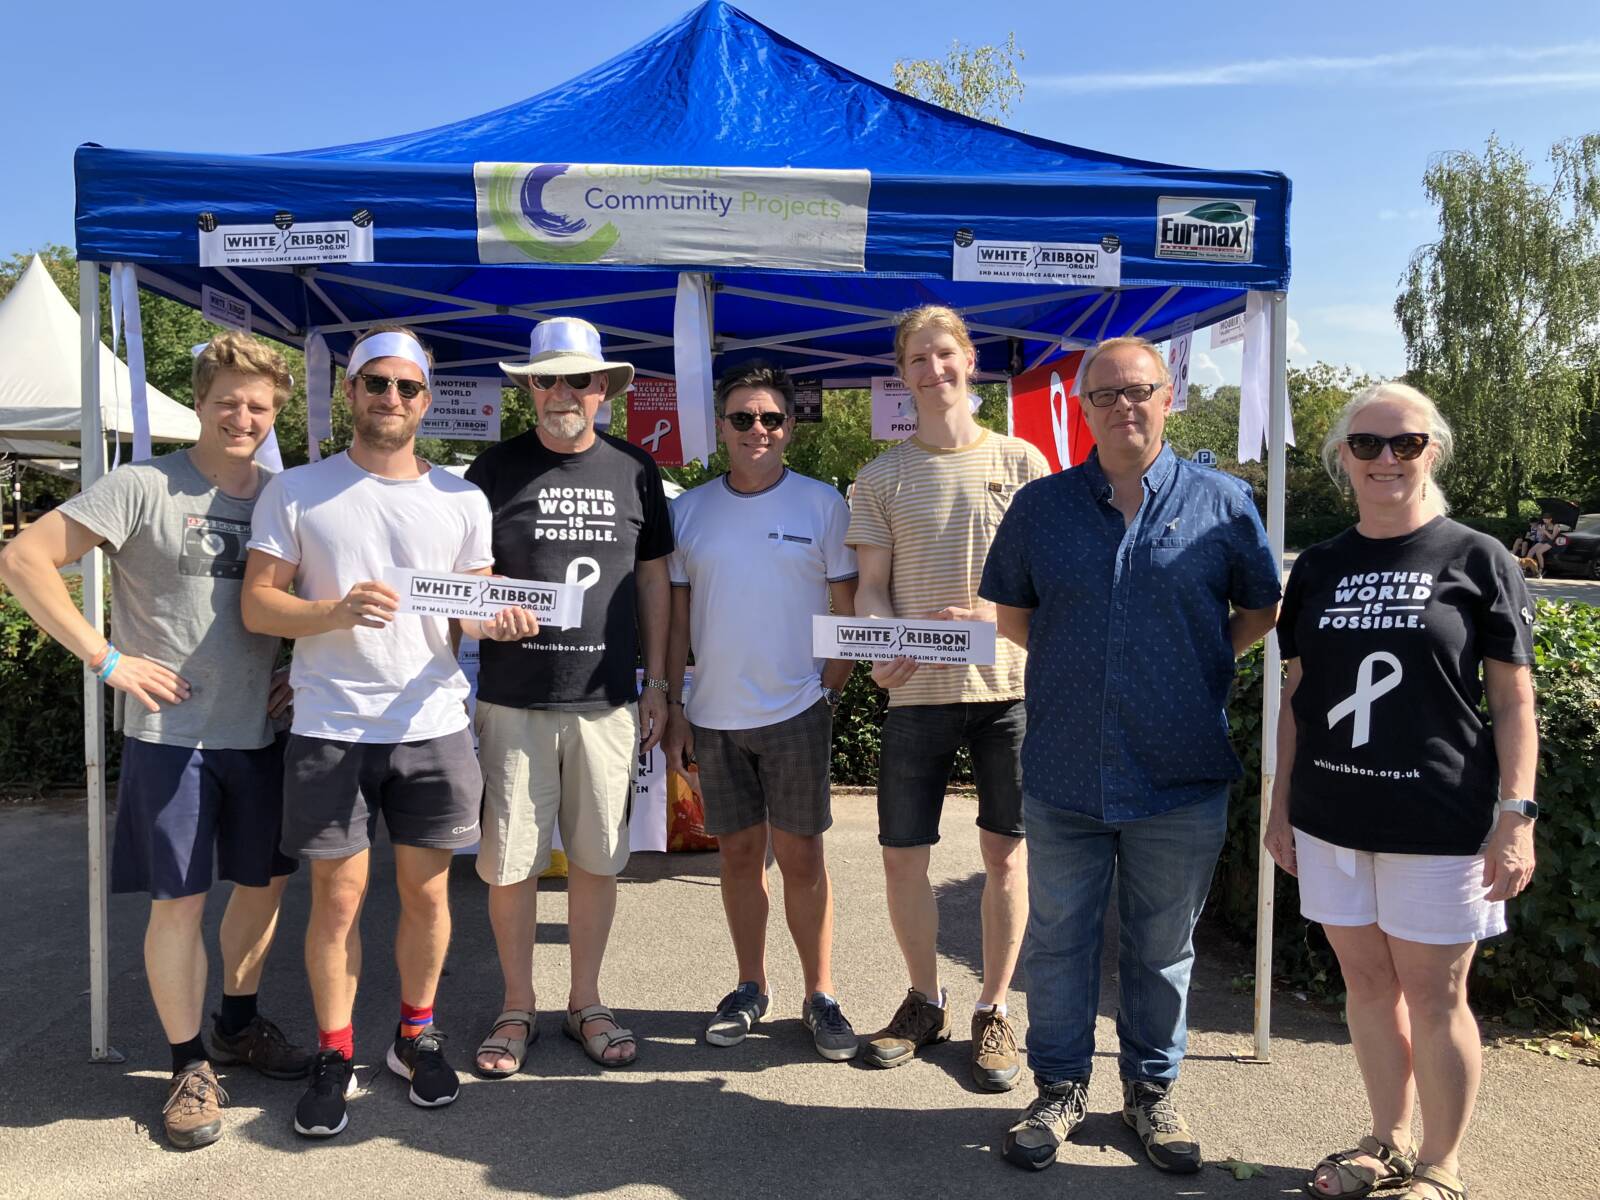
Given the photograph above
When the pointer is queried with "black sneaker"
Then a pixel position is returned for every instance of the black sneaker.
(833, 1036)
(1058, 1109)
(321, 1111)
(421, 1060)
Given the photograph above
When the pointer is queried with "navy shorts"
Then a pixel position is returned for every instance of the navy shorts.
(187, 816)
(919, 749)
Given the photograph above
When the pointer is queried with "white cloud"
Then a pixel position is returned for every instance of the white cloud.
(1297, 348)
(1405, 68)
(1204, 371)
(1371, 319)
(1409, 214)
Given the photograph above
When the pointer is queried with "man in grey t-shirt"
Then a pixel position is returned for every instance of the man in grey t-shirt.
(201, 786)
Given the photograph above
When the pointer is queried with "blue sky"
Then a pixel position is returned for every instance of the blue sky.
(1348, 100)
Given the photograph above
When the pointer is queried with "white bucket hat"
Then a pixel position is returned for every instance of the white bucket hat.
(570, 346)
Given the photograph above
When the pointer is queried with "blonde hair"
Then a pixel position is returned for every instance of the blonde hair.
(1116, 343)
(914, 320)
(236, 351)
(1440, 436)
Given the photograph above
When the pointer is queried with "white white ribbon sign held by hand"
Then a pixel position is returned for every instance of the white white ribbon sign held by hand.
(480, 597)
(877, 639)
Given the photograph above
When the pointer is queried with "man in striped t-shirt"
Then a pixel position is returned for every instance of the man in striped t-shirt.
(923, 514)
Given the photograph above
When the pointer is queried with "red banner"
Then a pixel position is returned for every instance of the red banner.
(1044, 410)
(653, 420)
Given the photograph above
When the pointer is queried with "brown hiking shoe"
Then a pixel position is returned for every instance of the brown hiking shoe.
(192, 1115)
(996, 1065)
(918, 1022)
(1147, 1109)
(261, 1045)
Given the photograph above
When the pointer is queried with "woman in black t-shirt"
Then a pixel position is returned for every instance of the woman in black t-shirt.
(1406, 815)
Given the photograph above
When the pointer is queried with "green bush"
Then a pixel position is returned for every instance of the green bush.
(1547, 967)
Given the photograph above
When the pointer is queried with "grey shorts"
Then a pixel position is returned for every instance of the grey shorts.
(429, 794)
(774, 773)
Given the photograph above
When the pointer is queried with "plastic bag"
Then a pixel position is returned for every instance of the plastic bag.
(686, 814)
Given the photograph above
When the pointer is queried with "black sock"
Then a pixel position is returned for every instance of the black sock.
(184, 1053)
(236, 1014)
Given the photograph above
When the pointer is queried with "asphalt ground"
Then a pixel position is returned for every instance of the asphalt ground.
(767, 1118)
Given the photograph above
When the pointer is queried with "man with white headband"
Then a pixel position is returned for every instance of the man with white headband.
(561, 720)
(201, 792)
(380, 720)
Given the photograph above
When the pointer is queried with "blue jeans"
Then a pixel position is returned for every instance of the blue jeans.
(1163, 867)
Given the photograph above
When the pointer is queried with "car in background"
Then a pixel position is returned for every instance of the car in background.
(1576, 552)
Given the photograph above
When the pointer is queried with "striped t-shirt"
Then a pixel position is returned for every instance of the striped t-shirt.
(936, 511)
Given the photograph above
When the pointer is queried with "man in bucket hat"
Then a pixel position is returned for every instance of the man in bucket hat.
(560, 718)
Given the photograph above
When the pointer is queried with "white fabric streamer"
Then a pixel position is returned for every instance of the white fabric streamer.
(268, 454)
(691, 352)
(1255, 381)
(139, 393)
(319, 394)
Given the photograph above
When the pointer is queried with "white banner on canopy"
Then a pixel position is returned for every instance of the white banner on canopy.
(1074, 264)
(285, 245)
(677, 215)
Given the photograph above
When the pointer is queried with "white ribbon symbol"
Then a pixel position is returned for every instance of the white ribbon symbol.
(653, 438)
(1059, 425)
(582, 573)
(1367, 691)
(580, 578)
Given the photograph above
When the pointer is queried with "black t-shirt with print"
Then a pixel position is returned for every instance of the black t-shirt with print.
(560, 518)
(1392, 753)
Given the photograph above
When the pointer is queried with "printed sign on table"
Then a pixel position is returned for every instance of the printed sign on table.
(894, 412)
(782, 217)
(653, 420)
(1045, 410)
(480, 597)
(286, 244)
(1076, 264)
(874, 639)
(463, 408)
(222, 309)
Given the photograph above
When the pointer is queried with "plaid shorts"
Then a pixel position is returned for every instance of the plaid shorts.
(774, 773)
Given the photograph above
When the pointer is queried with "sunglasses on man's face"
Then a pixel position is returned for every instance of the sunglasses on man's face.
(377, 385)
(1406, 446)
(744, 421)
(578, 383)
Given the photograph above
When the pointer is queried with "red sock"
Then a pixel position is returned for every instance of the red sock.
(414, 1018)
(342, 1040)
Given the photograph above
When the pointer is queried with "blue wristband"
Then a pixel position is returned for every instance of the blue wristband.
(113, 657)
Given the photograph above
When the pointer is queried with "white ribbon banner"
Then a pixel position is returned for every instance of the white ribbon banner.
(480, 597)
(876, 639)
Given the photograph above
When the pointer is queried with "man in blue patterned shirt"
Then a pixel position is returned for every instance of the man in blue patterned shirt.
(1133, 581)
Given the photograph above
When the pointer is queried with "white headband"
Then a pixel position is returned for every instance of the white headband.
(390, 345)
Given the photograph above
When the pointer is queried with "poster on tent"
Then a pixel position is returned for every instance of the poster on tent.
(894, 412)
(463, 408)
(807, 402)
(1045, 411)
(653, 420)
(1178, 362)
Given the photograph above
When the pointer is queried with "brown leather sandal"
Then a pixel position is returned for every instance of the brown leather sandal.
(1357, 1179)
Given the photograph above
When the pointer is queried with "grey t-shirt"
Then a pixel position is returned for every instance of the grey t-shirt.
(177, 547)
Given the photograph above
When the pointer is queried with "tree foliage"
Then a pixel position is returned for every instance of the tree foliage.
(976, 81)
(1500, 313)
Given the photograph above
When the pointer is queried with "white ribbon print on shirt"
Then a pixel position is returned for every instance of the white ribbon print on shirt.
(1369, 688)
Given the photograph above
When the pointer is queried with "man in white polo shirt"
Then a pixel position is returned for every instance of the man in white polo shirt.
(760, 551)
(380, 721)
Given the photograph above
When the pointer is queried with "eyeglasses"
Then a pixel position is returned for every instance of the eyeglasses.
(377, 385)
(578, 383)
(1406, 446)
(744, 421)
(1137, 393)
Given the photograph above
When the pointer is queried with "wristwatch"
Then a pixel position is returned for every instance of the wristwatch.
(1526, 808)
(659, 684)
(832, 696)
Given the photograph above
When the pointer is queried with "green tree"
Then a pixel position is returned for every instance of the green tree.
(1499, 314)
(977, 81)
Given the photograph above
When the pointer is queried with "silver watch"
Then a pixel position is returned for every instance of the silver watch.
(659, 684)
(832, 696)
(1526, 808)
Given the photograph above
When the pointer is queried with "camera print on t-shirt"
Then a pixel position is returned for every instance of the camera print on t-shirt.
(213, 548)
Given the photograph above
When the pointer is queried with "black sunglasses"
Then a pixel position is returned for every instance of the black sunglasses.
(1137, 393)
(377, 385)
(578, 383)
(743, 421)
(1406, 446)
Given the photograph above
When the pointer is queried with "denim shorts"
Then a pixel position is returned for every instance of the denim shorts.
(919, 749)
(186, 816)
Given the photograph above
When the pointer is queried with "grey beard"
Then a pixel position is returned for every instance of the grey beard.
(566, 426)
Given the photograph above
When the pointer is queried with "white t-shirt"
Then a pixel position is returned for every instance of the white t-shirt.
(758, 566)
(341, 525)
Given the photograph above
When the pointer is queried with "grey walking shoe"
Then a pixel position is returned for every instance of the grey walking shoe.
(737, 1015)
(1058, 1109)
(834, 1038)
(1148, 1110)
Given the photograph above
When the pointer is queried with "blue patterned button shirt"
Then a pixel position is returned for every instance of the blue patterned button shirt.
(1129, 658)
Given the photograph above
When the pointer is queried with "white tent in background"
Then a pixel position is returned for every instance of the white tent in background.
(41, 373)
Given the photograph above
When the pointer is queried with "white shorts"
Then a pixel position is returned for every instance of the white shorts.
(1437, 899)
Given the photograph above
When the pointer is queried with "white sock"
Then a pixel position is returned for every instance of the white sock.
(980, 1009)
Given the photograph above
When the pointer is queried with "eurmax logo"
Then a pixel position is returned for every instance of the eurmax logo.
(1197, 228)
(518, 208)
